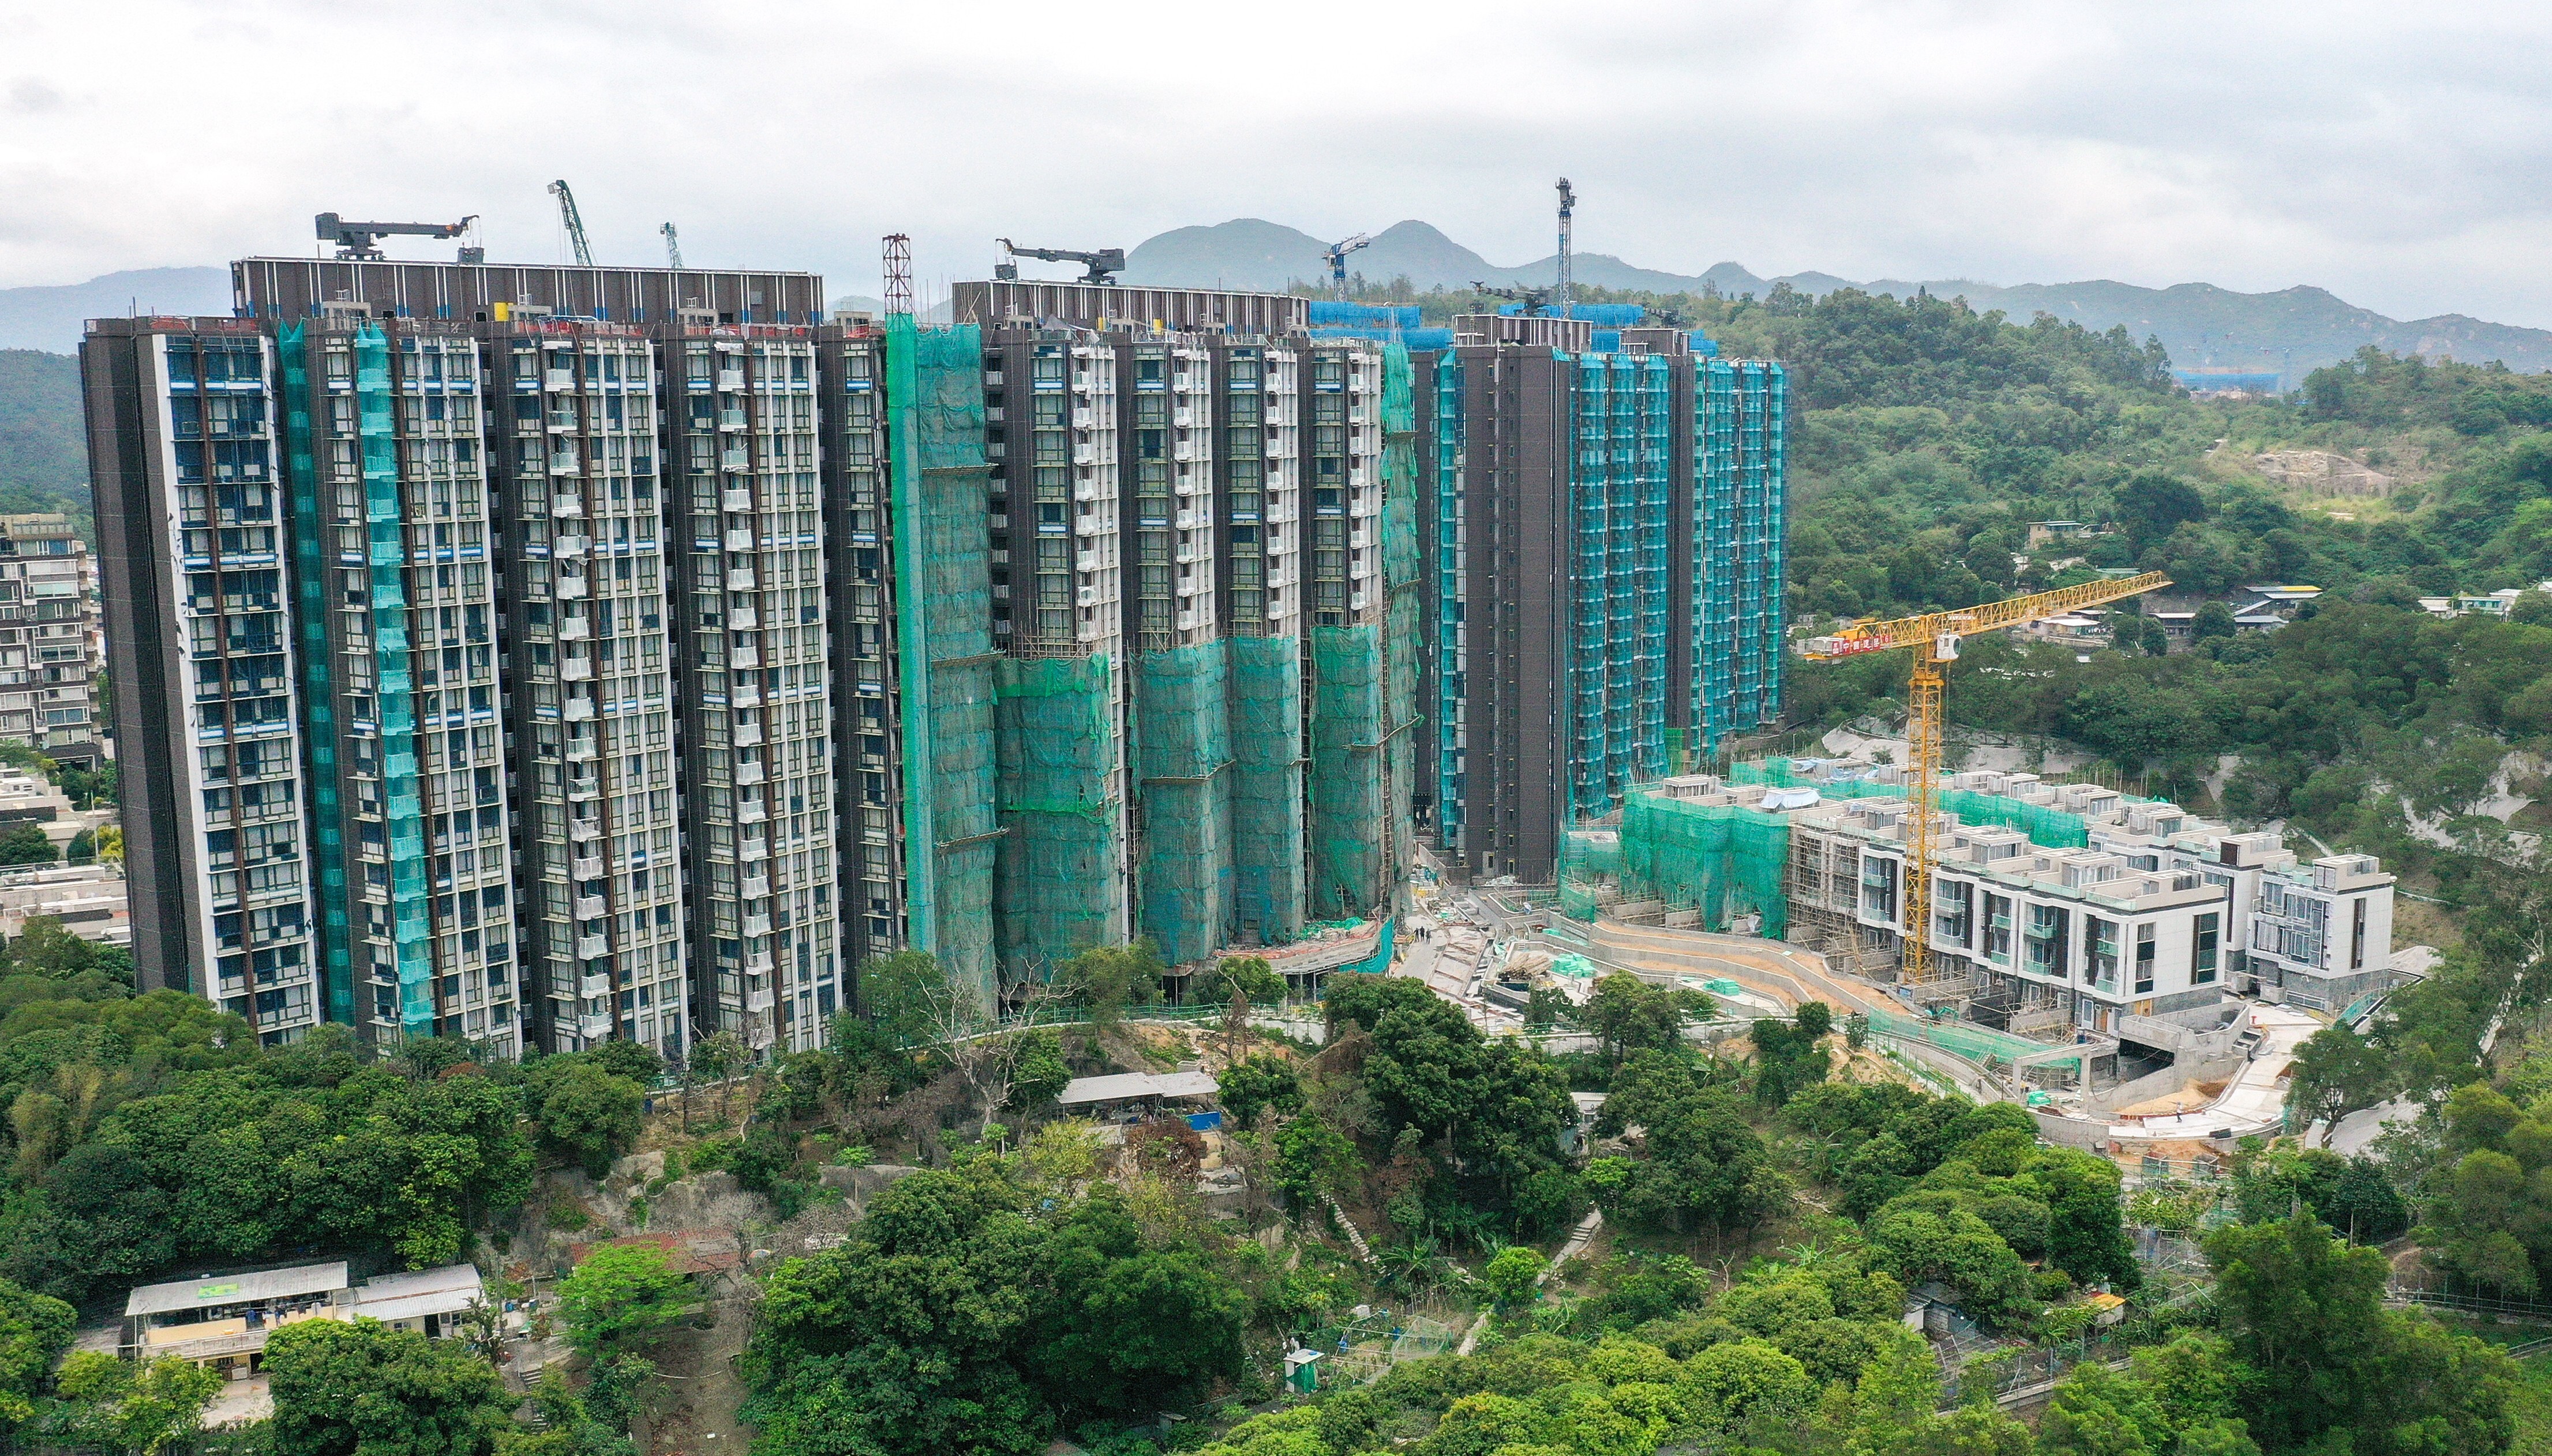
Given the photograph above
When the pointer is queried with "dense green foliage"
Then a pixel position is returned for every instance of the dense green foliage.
(368, 1390)
(971, 1310)
(43, 461)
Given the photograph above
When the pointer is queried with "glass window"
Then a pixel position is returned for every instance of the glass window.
(2101, 938)
(2144, 959)
(1998, 929)
(1957, 920)
(1878, 887)
(2203, 956)
(2047, 950)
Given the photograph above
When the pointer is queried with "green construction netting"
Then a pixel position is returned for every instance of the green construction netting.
(318, 696)
(1968, 1039)
(1404, 577)
(1182, 754)
(2046, 826)
(935, 419)
(402, 807)
(1267, 787)
(1058, 863)
(1718, 859)
(1350, 873)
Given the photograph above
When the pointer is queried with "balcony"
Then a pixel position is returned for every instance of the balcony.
(748, 773)
(594, 1025)
(567, 503)
(567, 547)
(745, 657)
(736, 501)
(745, 697)
(740, 578)
(735, 460)
(758, 964)
(752, 849)
(730, 380)
(730, 420)
(583, 790)
(747, 735)
(756, 886)
(578, 709)
(590, 868)
(587, 946)
(573, 629)
(751, 812)
(757, 1001)
(584, 831)
(594, 985)
(756, 925)
(569, 588)
(580, 751)
(566, 463)
(743, 619)
(739, 541)
(589, 907)
(577, 670)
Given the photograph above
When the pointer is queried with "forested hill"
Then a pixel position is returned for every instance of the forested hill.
(2294, 329)
(43, 461)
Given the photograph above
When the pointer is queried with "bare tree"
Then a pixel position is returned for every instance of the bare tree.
(966, 1032)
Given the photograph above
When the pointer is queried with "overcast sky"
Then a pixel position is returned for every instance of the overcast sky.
(2395, 155)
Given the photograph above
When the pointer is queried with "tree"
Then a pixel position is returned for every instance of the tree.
(115, 1404)
(1627, 1014)
(1262, 1082)
(34, 1329)
(1312, 1158)
(2152, 504)
(1038, 1072)
(1129, 1318)
(896, 993)
(2213, 619)
(364, 1388)
(621, 1298)
(1106, 980)
(1248, 976)
(27, 845)
(717, 1058)
(2335, 1073)
(1513, 1272)
(589, 1116)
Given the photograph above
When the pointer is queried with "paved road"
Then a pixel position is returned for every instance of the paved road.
(2359, 1129)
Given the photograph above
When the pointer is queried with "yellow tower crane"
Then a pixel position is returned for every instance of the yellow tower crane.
(1934, 637)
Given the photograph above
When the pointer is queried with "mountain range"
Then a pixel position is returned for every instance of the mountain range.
(2294, 329)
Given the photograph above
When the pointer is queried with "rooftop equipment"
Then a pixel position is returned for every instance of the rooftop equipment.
(1102, 263)
(1337, 256)
(354, 241)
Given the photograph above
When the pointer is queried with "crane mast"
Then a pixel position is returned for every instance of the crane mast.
(1935, 636)
(1565, 293)
(673, 247)
(575, 223)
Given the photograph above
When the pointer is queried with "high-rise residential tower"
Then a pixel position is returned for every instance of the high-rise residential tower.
(1604, 596)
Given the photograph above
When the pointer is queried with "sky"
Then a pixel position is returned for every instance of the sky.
(2394, 155)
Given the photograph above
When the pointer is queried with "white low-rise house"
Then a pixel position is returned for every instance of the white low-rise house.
(2158, 913)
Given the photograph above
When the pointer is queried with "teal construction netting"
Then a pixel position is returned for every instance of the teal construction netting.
(318, 695)
(1267, 794)
(1057, 872)
(2046, 826)
(1181, 755)
(1719, 860)
(1350, 869)
(402, 809)
(1404, 580)
(936, 422)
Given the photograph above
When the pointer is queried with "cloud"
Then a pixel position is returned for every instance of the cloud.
(2390, 155)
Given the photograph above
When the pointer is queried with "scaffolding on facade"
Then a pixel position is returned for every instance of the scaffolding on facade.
(1741, 457)
(1708, 865)
(1057, 873)
(1182, 757)
(935, 405)
(1347, 788)
(1403, 581)
(1266, 793)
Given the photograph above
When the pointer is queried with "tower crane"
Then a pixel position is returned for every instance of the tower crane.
(673, 247)
(1534, 299)
(1102, 263)
(1337, 256)
(575, 223)
(1566, 294)
(355, 241)
(1934, 637)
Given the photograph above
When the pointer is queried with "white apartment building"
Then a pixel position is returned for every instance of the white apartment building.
(50, 645)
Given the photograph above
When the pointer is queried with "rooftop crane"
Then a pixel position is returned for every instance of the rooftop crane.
(1534, 299)
(1102, 263)
(1337, 256)
(1935, 640)
(575, 223)
(673, 247)
(354, 241)
(1566, 294)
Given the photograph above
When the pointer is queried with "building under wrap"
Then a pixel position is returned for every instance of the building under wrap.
(1603, 577)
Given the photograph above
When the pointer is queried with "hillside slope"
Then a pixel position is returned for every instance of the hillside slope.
(43, 462)
(49, 318)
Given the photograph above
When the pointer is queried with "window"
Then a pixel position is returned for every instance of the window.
(1998, 929)
(2144, 959)
(2100, 937)
(2048, 952)
(1957, 922)
(2356, 934)
(2202, 955)
(1879, 887)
